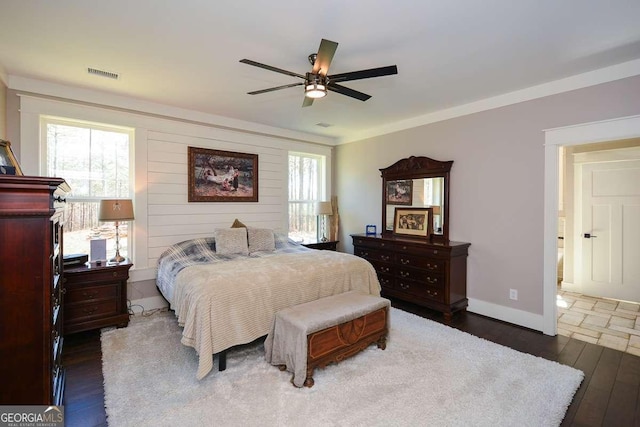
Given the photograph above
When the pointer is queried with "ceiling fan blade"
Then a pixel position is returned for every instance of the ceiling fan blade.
(307, 102)
(348, 92)
(325, 55)
(270, 68)
(271, 89)
(364, 74)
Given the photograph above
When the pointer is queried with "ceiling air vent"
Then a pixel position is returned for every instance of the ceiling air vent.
(102, 73)
(323, 125)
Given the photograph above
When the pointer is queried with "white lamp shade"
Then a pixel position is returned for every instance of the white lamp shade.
(115, 210)
(324, 208)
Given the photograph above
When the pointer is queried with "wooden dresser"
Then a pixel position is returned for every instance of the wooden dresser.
(31, 291)
(96, 297)
(433, 275)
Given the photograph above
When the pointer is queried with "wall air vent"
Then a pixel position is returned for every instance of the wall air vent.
(102, 73)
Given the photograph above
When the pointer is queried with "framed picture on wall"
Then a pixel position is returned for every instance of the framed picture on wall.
(222, 176)
(8, 163)
(399, 192)
(416, 222)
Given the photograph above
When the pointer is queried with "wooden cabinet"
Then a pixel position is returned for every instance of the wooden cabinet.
(323, 246)
(31, 291)
(96, 297)
(433, 275)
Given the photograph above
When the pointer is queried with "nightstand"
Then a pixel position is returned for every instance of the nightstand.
(96, 297)
(323, 246)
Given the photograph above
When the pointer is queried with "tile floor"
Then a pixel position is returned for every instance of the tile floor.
(606, 322)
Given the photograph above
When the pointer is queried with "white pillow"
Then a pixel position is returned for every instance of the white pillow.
(261, 239)
(231, 241)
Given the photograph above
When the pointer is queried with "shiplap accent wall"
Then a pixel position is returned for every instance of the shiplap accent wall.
(172, 219)
(162, 211)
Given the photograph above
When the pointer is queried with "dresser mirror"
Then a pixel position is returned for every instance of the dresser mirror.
(417, 182)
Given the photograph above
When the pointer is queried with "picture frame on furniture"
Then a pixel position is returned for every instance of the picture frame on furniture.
(222, 176)
(399, 192)
(8, 163)
(413, 222)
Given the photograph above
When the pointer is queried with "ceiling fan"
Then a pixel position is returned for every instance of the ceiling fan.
(318, 82)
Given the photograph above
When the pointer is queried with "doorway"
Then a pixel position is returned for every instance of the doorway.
(599, 219)
(588, 133)
(599, 212)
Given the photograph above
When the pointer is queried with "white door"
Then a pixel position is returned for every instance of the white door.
(611, 230)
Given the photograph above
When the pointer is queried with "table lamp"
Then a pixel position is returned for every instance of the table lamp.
(116, 210)
(323, 209)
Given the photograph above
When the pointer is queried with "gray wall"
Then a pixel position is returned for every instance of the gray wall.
(496, 182)
(3, 110)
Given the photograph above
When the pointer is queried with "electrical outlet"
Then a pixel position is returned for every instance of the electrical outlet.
(513, 294)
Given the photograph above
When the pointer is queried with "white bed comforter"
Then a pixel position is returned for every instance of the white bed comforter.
(232, 303)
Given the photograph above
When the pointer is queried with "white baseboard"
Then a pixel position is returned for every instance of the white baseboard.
(150, 303)
(507, 314)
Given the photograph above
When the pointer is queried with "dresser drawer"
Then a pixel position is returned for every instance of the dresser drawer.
(423, 276)
(96, 309)
(382, 268)
(91, 293)
(373, 255)
(94, 276)
(386, 281)
(430, 252)
(371, 243)
(420, 290)
(431, 264)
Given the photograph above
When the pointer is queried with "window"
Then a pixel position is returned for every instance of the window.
(306, 178)
(96, 162)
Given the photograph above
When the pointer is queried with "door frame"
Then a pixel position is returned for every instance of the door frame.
(586, 133)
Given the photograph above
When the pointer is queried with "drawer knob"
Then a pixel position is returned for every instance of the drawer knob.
(404, 261)
(431, 267)
(115, 274)
(89, 294)
(384, 269)
(432, 281)
(404, 286)
(90, 310)
(432, 293)
(384, 257)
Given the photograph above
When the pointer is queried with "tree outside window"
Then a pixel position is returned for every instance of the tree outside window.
(305, 187)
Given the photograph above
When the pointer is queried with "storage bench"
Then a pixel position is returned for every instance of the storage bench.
(330, 329)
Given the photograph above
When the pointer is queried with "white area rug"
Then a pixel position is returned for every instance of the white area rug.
(430, 374)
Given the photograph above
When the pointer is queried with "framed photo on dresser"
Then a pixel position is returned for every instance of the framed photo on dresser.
(416, 222)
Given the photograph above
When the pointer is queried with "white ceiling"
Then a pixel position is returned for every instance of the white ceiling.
(185, 53)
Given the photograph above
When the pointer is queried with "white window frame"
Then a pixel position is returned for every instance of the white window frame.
(48, 119)
(321, 179)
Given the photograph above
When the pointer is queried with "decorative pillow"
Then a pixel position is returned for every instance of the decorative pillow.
(238, 224)
(261, 239)
(231, 241)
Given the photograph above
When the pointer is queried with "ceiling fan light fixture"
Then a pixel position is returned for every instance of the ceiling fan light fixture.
(315, 90)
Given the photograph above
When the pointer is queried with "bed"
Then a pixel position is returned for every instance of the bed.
(226, 289)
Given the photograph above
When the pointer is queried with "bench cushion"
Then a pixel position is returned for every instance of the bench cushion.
(286, 344)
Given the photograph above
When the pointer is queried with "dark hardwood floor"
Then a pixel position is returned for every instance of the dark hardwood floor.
(608, 396)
